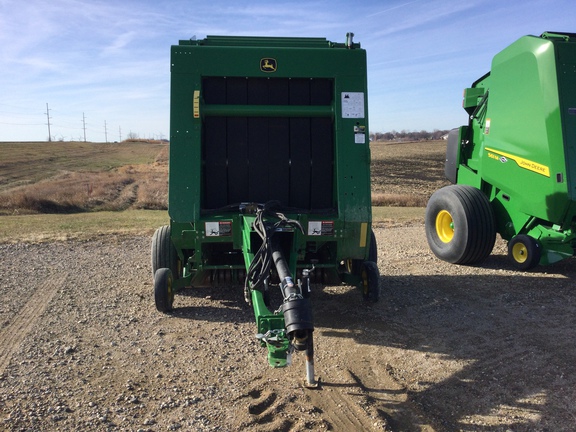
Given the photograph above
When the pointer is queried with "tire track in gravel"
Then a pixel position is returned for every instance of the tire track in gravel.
(14, 334)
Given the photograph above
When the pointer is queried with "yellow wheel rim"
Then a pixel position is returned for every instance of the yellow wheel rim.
(169, 291)
(349, 265)
(445, 226)
(520, 252)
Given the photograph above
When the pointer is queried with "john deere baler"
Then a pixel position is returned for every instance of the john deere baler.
(269, 179)
(514, 164)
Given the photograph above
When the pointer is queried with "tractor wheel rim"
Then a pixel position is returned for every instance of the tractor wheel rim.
(520, 252)
(445, 226)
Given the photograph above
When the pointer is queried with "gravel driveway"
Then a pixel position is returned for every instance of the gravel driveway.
(447, 348)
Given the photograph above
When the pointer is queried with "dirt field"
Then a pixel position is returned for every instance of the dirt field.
(448, 348)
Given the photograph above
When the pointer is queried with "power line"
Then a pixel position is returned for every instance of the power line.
(23, 124)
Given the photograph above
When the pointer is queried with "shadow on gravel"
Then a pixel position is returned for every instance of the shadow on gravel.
(215, 304)
(476, 350)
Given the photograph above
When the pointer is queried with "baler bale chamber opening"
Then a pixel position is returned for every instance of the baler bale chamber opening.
(269, 178)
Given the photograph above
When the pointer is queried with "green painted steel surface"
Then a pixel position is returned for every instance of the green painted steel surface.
(248, 99)
(520, 146)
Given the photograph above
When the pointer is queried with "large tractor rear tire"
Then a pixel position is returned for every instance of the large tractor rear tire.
(460, 226)
(524, 252)
(164, 253)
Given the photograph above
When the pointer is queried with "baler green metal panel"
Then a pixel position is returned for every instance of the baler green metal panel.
(566, 65)
(258, 119)
(522, 146)
(346, 68)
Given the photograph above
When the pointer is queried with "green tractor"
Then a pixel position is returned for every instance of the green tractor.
(513, 167)
(269, 179)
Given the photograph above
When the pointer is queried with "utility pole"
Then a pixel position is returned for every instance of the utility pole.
(120, 131)
(84, 126)
(48, 117)
(105, 132)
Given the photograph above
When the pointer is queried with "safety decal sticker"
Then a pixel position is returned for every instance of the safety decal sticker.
(352, 105)
(321, 228)
(359, 134)
(219, 229)
(521, 162)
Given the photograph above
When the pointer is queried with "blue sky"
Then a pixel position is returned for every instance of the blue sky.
(109, 60)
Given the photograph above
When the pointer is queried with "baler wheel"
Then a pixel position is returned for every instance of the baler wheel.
(164, 253)
(524, 252)
(163, 291)
(354, 266)
(460, 226)
(373, 252)
(370, 283)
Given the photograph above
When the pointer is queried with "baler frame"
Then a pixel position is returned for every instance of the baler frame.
(269, 179)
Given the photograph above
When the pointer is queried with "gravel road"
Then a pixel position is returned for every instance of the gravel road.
(447, 348)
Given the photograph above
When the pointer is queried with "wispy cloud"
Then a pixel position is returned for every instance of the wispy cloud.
(398, 6)
(110, 59)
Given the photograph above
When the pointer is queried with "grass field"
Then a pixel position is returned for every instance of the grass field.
(86, 226)
(57, 191)
(74, 177)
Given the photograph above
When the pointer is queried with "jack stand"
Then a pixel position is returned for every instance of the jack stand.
(310, 380)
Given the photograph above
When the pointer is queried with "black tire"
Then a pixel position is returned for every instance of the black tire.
(164, 253)
(460, 226)
(354, 266)
(163, 290)
(524, 252)
(373, 252)
(370, 281)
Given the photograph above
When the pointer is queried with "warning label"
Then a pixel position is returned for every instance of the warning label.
(352, 105)
(219, 229)
(321, 228)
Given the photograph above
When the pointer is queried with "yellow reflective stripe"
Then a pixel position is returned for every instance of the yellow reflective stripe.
(522, 163)
(363, 233)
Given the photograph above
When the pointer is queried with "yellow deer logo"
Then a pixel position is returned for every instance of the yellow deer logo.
(268, 65)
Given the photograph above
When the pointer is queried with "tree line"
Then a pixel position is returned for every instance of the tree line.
(405, 135)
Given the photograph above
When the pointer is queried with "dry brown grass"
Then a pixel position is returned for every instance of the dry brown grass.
(398, 200)
(83, 177)
(132, 186)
